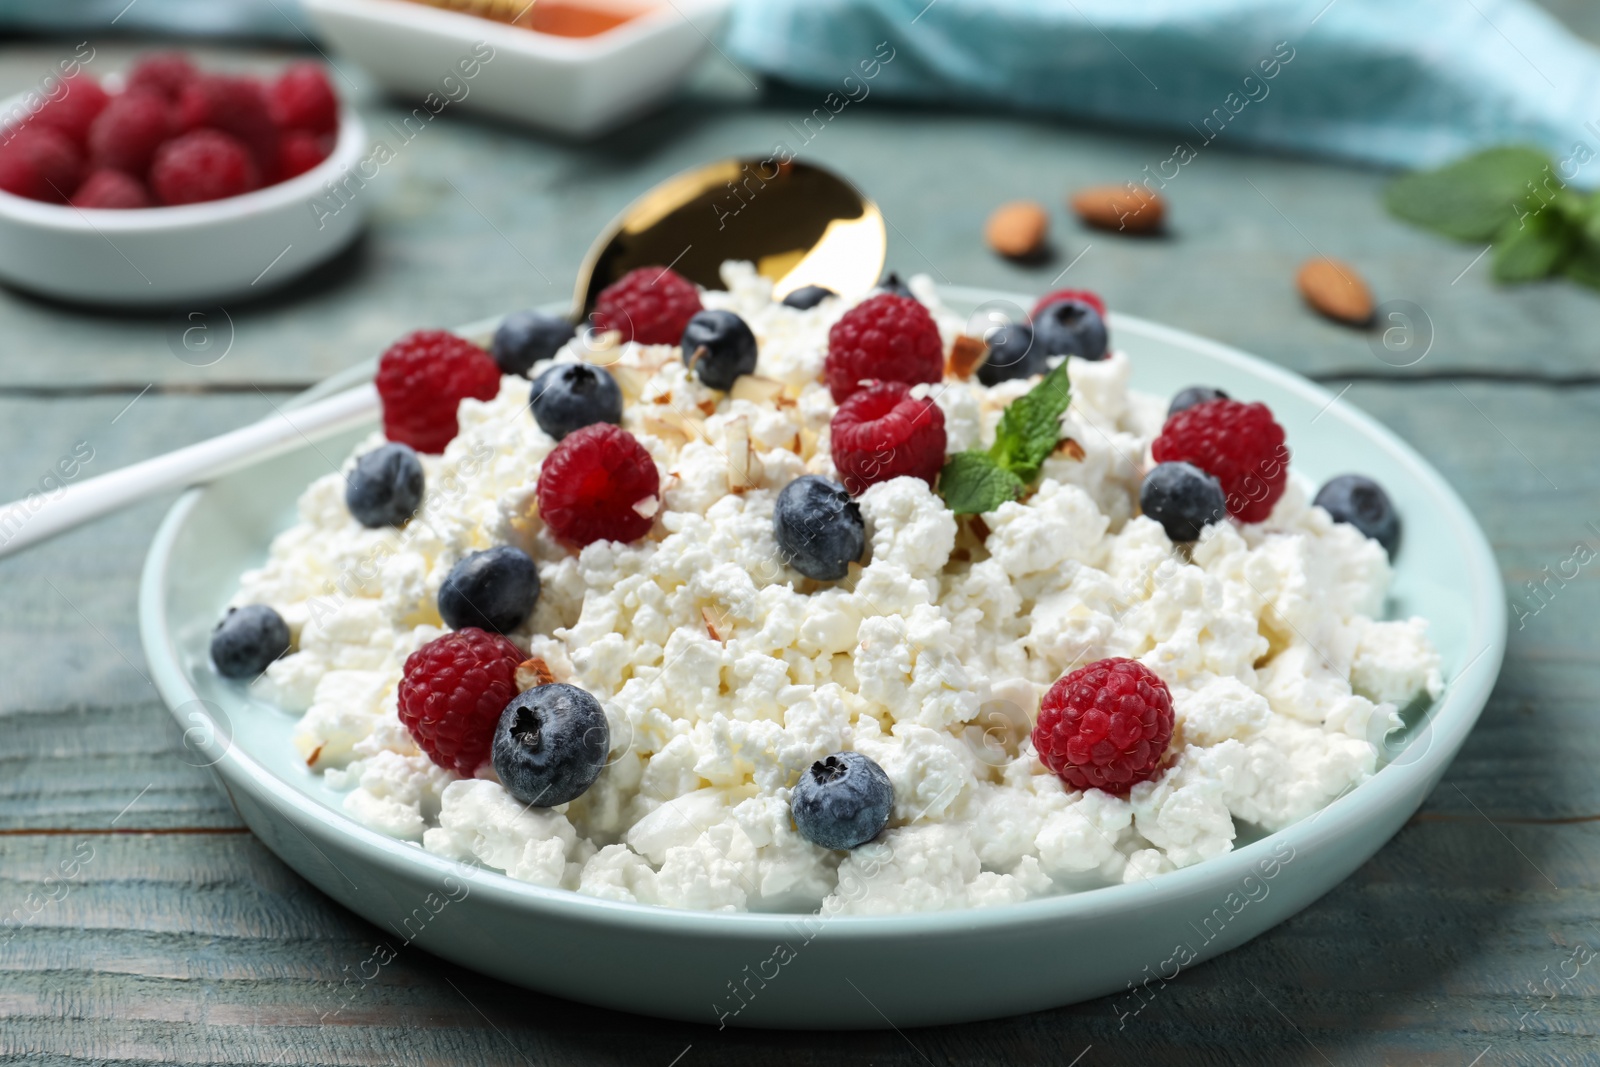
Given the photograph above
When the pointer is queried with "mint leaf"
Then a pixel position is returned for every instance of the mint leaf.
(1472, 198)
(974, 482)
(1030, 426)
(1583, 266)
(1533, 247)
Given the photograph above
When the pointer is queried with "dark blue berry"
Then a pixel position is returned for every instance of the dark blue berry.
(719, 346)
(1195, 394)
(1361, 502)
(818, 528)
(892, 284)
(1183, 498)
(550, 744)
(494, 590)
(385, 486)
(247, 640)
(570, 396)
(1070, 327)
(1012, 354)
(527, 337)
(808, 296)
(841, 801)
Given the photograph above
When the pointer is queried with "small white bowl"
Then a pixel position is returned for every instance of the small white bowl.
(580, 86)
(165, 256)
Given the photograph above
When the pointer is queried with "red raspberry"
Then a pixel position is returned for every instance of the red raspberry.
(162, 73)
(887, 338)
(41, 164)
(452, 693)
(71, 113)
(882, 432)
(301, 98)
(236, 106)
(111, 189)
(1105, 726)
(1236, 443)
(651, 305)
(422, 379)
(127, 133)
(598, 484)
(1092, 299)
(202, 165)
(299, 151)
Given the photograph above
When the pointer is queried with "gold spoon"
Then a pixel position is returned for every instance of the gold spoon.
(800, 224)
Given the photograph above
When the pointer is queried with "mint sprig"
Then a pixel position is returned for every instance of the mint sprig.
(1511, 197)
(976, 481)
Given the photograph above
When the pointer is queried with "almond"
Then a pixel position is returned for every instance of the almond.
(1333, 288)
(533, 672)
(1129, 208)
(1017, 229)
(965, 355)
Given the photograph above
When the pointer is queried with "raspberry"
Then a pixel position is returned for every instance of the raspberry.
(651, 305)
(41, 164)
(882, 432)
(71, 113)
(598, 484)
(452, 693)
(302, 99)
(127, 133)
(299, 151)
(888, 338)
(162, 73)
(1236, 443)
(111, 189)
(423, 377)
(202, 165)
(1092, 299)
(1105, 726)
(236, 106)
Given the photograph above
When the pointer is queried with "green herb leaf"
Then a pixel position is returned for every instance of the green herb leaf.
(974, 482)
(1533, 247)
(1583, 266)
(1031, 425)
(1473, 198)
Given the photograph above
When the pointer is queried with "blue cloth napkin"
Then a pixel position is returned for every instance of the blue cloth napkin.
(1399, 82)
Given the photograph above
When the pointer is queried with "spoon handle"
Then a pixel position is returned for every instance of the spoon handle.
(41, 516)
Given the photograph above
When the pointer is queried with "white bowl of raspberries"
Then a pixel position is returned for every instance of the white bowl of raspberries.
(173, 185)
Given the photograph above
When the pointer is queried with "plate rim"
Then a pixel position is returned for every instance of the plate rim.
(1450, 719)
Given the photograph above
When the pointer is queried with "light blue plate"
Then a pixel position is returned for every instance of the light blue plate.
(774, 970)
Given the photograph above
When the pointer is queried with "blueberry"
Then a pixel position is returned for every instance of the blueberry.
(550, 744)
(892, 284)
(526, 337)
(385, 487)
(1012, 354)
(818, 527)
(808, 296)
(1195, 394)
(720, 347)
(570, 396)
(247, 640)
(494, 590)
(841, 801)
(1361, 502)
(1070, 327)
(1183, 498)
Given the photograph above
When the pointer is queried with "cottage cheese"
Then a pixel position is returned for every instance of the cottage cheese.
(723, 674)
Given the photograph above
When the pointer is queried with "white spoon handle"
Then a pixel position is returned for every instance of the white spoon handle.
(38, 517)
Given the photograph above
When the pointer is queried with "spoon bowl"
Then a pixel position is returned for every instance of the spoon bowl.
(799, 223)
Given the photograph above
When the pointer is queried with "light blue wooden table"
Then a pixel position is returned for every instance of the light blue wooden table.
(180, 939)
